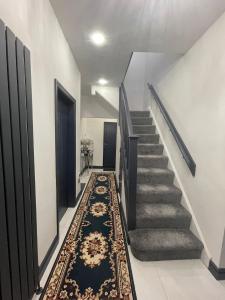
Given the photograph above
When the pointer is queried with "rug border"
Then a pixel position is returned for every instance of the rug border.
(124, 236)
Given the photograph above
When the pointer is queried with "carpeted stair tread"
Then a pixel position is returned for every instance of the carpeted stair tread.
(155, 176)
(148, 138)
(164, 244)
(141, 121)
(150, 149)
(139, 113)
(148, 129)
(158, 193)
(162, 215)
(154, 161)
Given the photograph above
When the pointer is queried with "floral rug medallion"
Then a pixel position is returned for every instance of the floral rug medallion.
(93, 262)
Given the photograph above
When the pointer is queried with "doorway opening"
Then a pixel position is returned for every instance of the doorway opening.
(109, 146)
(65, 126)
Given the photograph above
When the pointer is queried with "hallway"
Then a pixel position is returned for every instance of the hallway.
(165, 280)
(134, 88)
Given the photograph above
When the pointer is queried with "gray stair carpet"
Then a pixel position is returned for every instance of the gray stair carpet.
(162, 223)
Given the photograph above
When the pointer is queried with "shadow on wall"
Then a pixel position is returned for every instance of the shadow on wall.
(97, 107)
(145, 67)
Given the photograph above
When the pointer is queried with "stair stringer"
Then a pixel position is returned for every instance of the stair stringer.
(194, 227)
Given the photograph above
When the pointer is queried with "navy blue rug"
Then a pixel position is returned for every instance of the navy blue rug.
(93, 263)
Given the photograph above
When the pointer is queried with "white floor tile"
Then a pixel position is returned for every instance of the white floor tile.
(193, 287)
(180, 267)
(147, 282)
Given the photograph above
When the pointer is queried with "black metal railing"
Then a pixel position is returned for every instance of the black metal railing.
(129, 158)
(180, 143)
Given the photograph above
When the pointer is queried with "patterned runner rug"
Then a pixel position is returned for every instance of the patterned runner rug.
(93, 263)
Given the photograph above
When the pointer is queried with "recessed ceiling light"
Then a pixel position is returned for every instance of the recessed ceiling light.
(98, 38)
(102, 81)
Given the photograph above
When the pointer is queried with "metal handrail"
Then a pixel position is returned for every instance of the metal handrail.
(180, 143)
(128, 117)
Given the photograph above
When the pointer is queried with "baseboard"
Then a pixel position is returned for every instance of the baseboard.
(53, 246)
(117, 185)
(218, 273)
(48, 256)
(83, 170)
(79, 194)
(96, 167)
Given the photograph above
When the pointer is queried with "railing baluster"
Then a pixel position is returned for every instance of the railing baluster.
(132, 173)
(129, 157)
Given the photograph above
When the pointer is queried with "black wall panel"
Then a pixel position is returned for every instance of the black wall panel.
(8, 167)
(25, 160)
(31, 163)
(15, 123)
(5, 277)
(18, 247)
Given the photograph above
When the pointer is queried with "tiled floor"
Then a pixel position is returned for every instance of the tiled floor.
(165, 280)
(175, 280)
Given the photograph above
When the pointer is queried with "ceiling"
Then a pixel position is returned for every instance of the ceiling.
(168, 26)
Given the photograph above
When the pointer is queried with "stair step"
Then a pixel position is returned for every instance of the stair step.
(150, 149)
(142, 121)
(148, 138)
(158, 193)
(154, 161)
(139, 129)
(164, 244)
(139, 113)
(161, 215)
(155, 176)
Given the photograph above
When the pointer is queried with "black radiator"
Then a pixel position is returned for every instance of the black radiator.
(18, 229)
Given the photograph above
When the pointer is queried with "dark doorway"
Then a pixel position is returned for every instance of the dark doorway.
(65, 150)
(109, 145)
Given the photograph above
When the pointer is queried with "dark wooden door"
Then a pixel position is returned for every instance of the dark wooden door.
(66, 153)
(109, 146)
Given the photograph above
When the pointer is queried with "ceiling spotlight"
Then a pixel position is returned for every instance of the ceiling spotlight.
(102, 81)
(98, 38)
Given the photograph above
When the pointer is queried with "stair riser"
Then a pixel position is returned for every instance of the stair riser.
(157, 149)
(182, 222)
(142, 121)
(155, 179)
(158, 198)
(149, 139)
(153, 163)
(166, 255)
(144, 129)
(140, 114)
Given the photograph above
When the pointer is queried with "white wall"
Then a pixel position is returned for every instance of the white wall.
(109, 93)
(97, 107)
(34, 22)
(145, 67)
(93, 128)
(194, 95)
(135, 80)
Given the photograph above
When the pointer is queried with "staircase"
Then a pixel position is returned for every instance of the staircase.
(162, 223)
